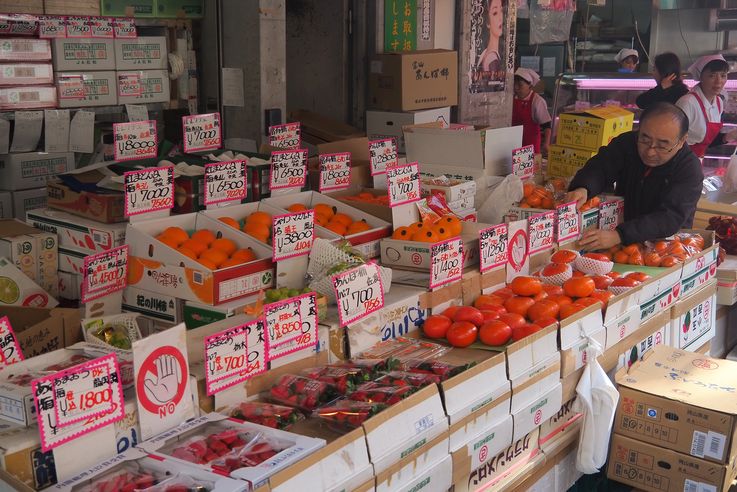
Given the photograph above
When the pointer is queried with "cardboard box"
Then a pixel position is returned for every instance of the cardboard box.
(98, 205)
(18, 245)
(27, 97)
(529, 417)
(19, 290)
(413, 80)
(25, 49)
(26, 74)
(77, 232)
(655, 331)
(196, 314)
(42, 330)
(429, 469)
(129, 8)
(189, 9)
(83, 54)
(71, 260)
(529, 352)
(6, 205)
(32, 169)
(564, 422)
(25, 200)
(681, 401)
(100, 89)
(493, 416)
(661, 302)
(456, 191)
(154, 87)
(70, 286)
(693, 319)
(153, 305)
(593, 128)
(388, 124)
(719, 346)
(727, 281)
(566, 161)
(22, 460)
(653, 468)
(383, 212)
(575, 357)
(582, 324)
(141, 53)
(535, 382)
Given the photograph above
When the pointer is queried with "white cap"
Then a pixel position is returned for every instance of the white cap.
(698, 66)
(624, 53)
(528, 74)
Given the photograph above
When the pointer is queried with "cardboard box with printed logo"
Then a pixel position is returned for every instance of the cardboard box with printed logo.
(388, 124)
(33, 251)
(693, 318)
(19, 290)
(536, 397)
(566, 421)
(100, 205)
(6, 205)
(155, 87)
(655, 331)
(480, 448)
(428, 468)
(593, 128)
(25, 49)
(32, 169)
(25, 200)
(141, 53)
(489, 417)
(100, 89)
(42, 330)
(83, 54)
(576, 357)
(77, 232)
(153, 305)
(26, 74)
(21, 460)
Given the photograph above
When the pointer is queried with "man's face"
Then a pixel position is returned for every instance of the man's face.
(659, 139)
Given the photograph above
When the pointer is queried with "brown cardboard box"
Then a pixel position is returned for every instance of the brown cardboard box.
(41, 330)
(103, 207)
(413, 80)
(681, 401)
(653, 468)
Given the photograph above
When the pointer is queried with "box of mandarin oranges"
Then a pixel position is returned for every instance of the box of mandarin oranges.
(197, 258)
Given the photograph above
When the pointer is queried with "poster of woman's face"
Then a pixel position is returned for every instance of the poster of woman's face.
(487, 49)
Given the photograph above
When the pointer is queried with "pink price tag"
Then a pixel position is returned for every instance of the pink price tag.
(568, 225)
(404, 184)
(359, 292)
(540, 231)
(149, 190)
(80, 401)
(235, 355)
(493, 243)
(125, 28)
(225, 182)
(523, 161)
(78, 27)
(382, 155)
(288, 169)
(288, 136)
(291, 325)
(52, 27)
(71, 86)
(335, 171)
(129, 84)
(292, 235)
(10, 352)
(608, 215)
(201, 132)
(105, 273)
(135, 140)
(446, 262)
(102, 27)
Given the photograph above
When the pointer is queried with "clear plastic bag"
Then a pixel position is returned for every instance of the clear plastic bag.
(258, 449)
(346, 415)
(266, 414)
(550, 25)
(501, 199)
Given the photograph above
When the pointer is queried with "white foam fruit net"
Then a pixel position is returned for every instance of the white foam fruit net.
(591, 266)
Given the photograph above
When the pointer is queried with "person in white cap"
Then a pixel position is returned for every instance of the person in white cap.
(531, 111)
(627, 59)
(703, 105)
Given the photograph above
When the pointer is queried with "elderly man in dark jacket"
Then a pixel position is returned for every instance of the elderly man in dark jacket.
(656, 173)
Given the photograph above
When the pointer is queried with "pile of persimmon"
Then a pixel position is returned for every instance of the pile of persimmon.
(367, 197)
(663, 253)
(536, 196)
(446, 227)
(330, 218)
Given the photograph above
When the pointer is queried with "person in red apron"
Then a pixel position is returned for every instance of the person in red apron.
(530, 111)
(703, 105)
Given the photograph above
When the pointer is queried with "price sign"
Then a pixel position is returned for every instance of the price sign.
(493, 242)
(446, 262)
(288, 169)
(287, 136)
(125, 27)
(608, 216)
(52, 27)
(135, 140)
(335, 171)
(404, 184)
(540, 231)
(225, 182)
(149, 190)
(359, 292)
(201, 132)
(568, 221)
(523, 161)
(9, 348)
(235, 355)
(71, 86)
(78, 400)
(382, 154)
(78, 27)
(105, 273)
(291, 325)
(102, 27)
(129, 84)
(292, 234)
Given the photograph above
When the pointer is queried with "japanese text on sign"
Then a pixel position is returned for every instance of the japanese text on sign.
(293, 234)
(291, 325)
(288, 169)
(135, 140)
(129, 84)
(335, 171)
(71, 87)
(9, 348)
(125, 27)
(225, 182)
(78, 400)
(446, 262)
(102, 27)
(235, 355)
(148, 190)
(608, 216)
(201, 132)
(523, 161)
(52, 27)
(78, 27)
(287, 136)
(382, 154)
(568, 221)
(400, 25)
(86, 27)
(540, 231)
(404, 184)
(493, 242)
(359, 292)
(105, 273)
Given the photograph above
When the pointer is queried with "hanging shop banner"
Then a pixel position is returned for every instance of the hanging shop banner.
(10, 352)
(335, 171)
(359, 292)
(135, 140)
(382, 154)
(225, 182)
(292, 234)
(540, 233)
(149, 190)
(288, 169)
(201, 132)
(105, 273)
(291, 325)
(446, 262)
(568, 225)
(493, 243)
(404, 184)
(235, 355)
(400, 25)
(523, 162)
(288, 136)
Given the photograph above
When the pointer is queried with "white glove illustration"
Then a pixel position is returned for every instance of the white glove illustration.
(162, 388)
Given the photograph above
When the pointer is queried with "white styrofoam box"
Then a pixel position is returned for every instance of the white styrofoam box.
(25, 200)
(141, 53)
(580, 325)
(388, 124)
(622, 327)
(32, 169)
(480, 421)
(23, 49)
(26, 73)
(536, 382)
(83, 54)
(6, 205)
(154, 87)
(417, 468)
(27, 97)
(531, 351)
(531, 416)
(100, 89)
(437, 478)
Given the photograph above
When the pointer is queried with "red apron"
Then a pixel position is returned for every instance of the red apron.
(712, 129)
(522, 115)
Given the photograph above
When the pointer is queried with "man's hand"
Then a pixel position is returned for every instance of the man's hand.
(598, 239)
(579, 195)
(667, 82)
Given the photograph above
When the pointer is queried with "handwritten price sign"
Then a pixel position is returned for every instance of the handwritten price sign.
(382, 154)
(287, 136)
(608, 215)
(201, 132)
(225, 182)
(52, 27)
(9, 348)
(235, 355)
(125, 28)
(135, 140)
(71, 86)
(523, 161)
(149, 190)
(540, 231)
(568, 221)
(493, 242)
(404, 184)
(78, 400)
(102, 27)
(105, 273)
(291, 325)
(292, 234)
(288, 169)
(335, 171)
(359, 292)
(78, 27)
(446, 262)
(129, 84)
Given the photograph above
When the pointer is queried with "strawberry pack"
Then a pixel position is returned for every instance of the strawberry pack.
(439, 368)
(345, 415)
(266, 414)
(373, 392)
(345, 379)
(370, 368)
(303, 393)
(411, 379)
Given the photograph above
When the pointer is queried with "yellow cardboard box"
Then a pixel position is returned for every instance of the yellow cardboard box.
(594, 127)
(566, 161)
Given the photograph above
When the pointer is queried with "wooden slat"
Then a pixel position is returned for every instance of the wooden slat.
(72, 7)
(22, 6)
